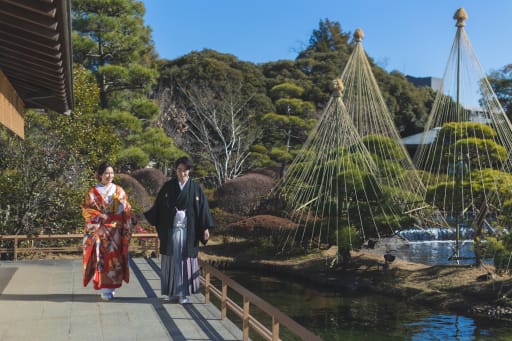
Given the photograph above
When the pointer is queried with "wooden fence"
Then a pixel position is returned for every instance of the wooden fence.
(28, 245)
(249, 299)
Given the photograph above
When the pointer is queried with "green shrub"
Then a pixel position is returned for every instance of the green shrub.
(132, 158)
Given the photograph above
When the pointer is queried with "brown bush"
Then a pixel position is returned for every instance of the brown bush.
(244, 194)
(223, 218)
(262, 224)
(137, 195)
(151, 178)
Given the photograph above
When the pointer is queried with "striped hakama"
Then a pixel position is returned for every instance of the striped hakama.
(180, 274)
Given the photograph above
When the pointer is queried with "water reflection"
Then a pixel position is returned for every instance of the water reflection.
(448, 327)
(439, 252)
(339, 316)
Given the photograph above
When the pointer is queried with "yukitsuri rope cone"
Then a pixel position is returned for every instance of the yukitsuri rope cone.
(466, 146)
(374, 123)
(330, 190)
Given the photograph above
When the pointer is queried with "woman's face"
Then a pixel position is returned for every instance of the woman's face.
(182, 173)
(108, 176)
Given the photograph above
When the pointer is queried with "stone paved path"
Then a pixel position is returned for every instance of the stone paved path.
(45, 300)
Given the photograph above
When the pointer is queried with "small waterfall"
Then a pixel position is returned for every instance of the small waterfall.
(429, 246)
(437, 233)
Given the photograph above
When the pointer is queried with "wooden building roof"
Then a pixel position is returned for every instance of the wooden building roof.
(35, 52)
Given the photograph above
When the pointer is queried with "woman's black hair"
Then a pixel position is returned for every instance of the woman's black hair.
(102, 167)
(185, 161)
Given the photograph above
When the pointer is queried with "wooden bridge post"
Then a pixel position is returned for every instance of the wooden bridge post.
(275, 329)
(16, 248)
(224, 301)
(245, 319)
(207, 287)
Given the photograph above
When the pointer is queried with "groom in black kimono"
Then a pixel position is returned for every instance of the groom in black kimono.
(182, 219)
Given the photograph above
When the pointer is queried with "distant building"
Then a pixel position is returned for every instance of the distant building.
(479, 115)
(421, 138)
(433, 82)
(412, 142)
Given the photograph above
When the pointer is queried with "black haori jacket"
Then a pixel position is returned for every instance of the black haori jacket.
(194, 202)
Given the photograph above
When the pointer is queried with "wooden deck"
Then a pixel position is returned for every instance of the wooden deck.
(147, 274)
(45, 300)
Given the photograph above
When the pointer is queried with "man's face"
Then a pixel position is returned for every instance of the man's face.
(182, 173)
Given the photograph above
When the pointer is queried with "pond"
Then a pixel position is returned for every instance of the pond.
(430, 246)
(339, 316)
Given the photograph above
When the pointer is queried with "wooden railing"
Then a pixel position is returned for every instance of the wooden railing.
(148, 242)
(243, 312)
(69, 243)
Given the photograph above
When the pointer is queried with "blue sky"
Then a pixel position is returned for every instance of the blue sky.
(411, 36)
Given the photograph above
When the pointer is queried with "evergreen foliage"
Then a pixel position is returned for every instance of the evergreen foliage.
(45, 176)
(287, 128)
(110, 38)
(501, 82)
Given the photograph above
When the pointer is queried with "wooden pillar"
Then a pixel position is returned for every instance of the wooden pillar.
(11, 107)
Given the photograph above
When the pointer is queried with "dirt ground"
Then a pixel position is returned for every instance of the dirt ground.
(459, 288)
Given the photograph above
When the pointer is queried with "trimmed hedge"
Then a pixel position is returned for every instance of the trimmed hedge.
(137, 195)
(151, 178)
(263, 224)
(244, 194)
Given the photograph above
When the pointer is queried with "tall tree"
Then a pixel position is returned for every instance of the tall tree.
(110, 38)
(501, 82)
(286, 129)
(324, 58)
(409, 105)
(83, 132)
(219, 129)
(210, 103)
(43, 178)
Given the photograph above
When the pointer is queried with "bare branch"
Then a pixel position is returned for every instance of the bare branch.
(218, 126)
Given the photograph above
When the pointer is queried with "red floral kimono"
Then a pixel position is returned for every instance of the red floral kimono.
(105, 244)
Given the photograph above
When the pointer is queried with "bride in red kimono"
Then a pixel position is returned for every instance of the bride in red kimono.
(107, 233)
